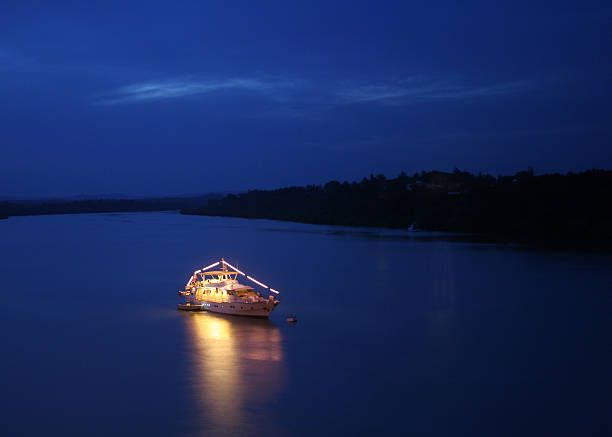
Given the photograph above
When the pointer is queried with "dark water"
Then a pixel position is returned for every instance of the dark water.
(396, 336)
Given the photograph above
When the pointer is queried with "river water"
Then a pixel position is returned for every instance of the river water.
(397, 334)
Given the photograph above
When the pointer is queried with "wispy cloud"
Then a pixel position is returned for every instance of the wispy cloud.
(418, 90)
(300, 99)
(158, 90)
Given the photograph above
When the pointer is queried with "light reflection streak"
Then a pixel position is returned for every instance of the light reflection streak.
(237, 368)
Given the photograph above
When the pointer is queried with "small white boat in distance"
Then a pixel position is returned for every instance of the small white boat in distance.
(219, 291)
(291, 318)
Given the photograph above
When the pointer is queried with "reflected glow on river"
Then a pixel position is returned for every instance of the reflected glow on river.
(236, 365)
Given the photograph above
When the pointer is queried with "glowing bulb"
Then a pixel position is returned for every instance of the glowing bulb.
(212, 265)
(232, 267)
(256, 281)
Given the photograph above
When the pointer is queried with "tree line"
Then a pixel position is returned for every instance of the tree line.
(523, 206)
(63, 206)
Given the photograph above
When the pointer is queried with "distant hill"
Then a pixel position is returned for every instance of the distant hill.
(574, 207)
(71, 206)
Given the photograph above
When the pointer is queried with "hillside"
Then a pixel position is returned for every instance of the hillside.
(524, 207)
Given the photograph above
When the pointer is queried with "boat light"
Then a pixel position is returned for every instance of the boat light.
(232, 267)
(210, 266)
(256, 281)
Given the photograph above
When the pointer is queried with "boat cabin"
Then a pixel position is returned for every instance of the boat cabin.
(213, 277)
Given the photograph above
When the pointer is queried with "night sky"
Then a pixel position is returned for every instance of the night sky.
(157, 98)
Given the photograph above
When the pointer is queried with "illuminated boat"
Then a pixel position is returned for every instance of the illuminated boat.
(219, 291)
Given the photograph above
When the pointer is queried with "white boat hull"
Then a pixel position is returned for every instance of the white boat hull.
(252, 309)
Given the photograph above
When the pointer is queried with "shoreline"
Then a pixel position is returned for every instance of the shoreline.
(448, 235)
(416, 234)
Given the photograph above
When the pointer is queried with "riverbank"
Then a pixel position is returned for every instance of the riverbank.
(64, 206)
(573, 210)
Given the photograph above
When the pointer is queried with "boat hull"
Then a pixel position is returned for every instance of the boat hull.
(252, 309)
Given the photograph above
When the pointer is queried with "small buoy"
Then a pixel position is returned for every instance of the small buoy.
(291, 318)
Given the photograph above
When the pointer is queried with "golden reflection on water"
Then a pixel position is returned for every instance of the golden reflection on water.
(236, 370)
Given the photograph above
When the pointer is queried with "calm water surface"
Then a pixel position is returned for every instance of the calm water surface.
(396, 335)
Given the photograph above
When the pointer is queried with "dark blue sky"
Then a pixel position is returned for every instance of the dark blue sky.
(182, 97)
